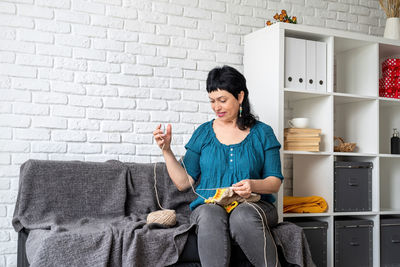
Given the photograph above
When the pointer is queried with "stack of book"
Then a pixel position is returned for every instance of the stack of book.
(303, 139)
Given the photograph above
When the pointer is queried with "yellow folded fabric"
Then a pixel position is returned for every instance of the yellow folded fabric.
(312, 204)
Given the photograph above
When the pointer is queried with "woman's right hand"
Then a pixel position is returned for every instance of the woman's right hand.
(163, 139)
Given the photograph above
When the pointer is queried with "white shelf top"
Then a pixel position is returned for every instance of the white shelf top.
(389, 212)
(297, 94)
(353, 154)
(343, 98)
(307, 92)
(306, 152)
(389, 156)
(348, 154)
(293, 215)
(389, 102)
(311, 31)
(356, 213)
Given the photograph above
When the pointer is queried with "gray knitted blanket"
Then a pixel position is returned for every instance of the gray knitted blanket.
(94, 214)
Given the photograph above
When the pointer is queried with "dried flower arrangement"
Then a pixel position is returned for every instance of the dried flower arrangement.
(283, 17)
(391, 8)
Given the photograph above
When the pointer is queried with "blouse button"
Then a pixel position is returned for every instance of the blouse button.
(231, 160)
(231, 155)
(231, 149)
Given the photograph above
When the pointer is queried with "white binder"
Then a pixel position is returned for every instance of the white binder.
(295, 63)
(311, 65)
(321, 66)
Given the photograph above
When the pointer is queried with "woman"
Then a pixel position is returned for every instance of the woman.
(233, 150)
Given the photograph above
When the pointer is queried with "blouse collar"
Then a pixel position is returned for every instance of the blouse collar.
(214, 136)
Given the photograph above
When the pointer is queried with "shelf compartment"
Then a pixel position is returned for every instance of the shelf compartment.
(389, 229)
(387, 51)
(313, 176)
(356, 67)
(318, 236)
(375, 181)
(329, 52)
(389, 184)
(375, 232)
(356, 121)
(388, 119)
(349, 230)
(317, 108)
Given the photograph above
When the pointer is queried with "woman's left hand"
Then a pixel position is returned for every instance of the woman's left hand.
(243, 188)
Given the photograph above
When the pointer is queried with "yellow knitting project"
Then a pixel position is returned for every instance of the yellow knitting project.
(218, 197)
(228, 199)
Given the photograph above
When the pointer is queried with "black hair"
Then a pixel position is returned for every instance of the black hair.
(229, 79)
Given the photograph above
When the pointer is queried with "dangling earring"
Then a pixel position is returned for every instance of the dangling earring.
(240, 110)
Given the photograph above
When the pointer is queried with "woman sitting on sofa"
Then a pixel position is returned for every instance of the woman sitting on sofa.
(234, 150)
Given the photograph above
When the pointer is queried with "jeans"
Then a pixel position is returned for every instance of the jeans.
(215, 228)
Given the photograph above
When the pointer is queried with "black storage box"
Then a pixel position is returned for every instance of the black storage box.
(353, 242)
(390, 242)
(353, 186)
(315, 232)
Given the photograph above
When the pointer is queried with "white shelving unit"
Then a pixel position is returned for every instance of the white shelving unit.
(350, 108)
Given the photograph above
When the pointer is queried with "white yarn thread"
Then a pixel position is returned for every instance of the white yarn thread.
(164, 216)
(155, 185)
(187, 175)
(265, 225)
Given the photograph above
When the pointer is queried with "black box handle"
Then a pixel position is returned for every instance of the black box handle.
(352, 184)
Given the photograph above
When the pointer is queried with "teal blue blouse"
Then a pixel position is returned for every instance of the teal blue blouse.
(219, 165)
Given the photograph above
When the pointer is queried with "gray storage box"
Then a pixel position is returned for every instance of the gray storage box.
(390, 242)
(315, 232)
(353, 242)
(353, 186)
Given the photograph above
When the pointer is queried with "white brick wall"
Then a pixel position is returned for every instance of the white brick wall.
(91, 79)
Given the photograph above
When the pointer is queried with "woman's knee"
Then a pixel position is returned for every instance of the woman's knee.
(209, 214)
(242, 215)
(250, 215)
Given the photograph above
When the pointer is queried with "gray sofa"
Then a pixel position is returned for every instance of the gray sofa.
(73, 213)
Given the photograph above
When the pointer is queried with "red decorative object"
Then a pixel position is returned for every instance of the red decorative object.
(389, 84)
(391, 63)
(391, 72)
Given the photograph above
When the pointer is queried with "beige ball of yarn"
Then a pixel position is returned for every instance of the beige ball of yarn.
(164, 217)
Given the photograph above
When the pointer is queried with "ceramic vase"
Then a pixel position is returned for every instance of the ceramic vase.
(392, 29)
